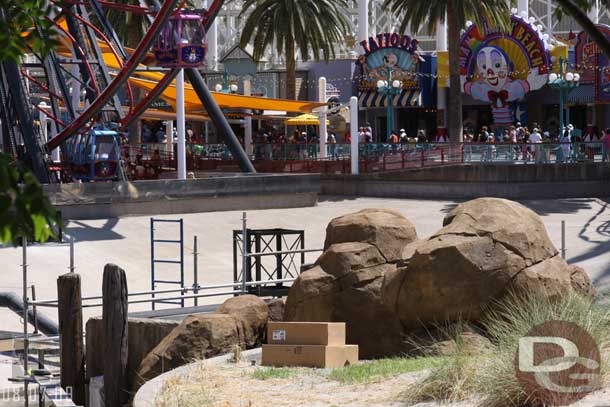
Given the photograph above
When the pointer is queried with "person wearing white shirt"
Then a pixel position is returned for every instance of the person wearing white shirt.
(536, 138)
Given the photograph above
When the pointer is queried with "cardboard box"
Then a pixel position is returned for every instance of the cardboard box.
(306, 333)
(310, 355)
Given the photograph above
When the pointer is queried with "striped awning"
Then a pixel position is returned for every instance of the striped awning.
(584, 94)
(372, 98)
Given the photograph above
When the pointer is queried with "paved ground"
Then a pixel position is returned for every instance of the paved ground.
(125, 241)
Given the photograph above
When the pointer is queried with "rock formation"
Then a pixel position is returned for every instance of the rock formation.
(384, 283)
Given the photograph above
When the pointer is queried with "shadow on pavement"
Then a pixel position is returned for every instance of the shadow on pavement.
(81, 232)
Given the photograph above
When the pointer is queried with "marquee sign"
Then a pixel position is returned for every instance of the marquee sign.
(593, 64)
(500, 68)
(389, 57)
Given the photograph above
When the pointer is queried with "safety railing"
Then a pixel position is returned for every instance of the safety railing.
(377, 157)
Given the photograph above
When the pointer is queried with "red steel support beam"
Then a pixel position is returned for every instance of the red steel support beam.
(130, 67)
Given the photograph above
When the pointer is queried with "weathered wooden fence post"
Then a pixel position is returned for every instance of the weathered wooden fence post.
(70, 314)
(114, 316)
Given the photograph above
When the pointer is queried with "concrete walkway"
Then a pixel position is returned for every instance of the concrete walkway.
(126, 242)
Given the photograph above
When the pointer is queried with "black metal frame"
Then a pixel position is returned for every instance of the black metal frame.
(268, 241)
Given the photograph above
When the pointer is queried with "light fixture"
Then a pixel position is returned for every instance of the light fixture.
(569, 77)
(468, 23)
(576, 77)
(553, 77)
(380, 84)
(513, 10)
(218, 87)
(234, 88)
(396, 84)
(532, 20)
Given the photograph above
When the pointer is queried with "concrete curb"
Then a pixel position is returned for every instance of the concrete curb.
(146, 395)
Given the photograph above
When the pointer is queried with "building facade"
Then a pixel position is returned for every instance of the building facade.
(368, 19)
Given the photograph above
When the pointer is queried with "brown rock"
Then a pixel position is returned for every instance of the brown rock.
(450, 277)
(197, 337)
(342, 258)
(384, 283)
(239, 321)
(354, 298)
(252, 313)
(549, 278)
(508, 223)
(581, 283)
(276, 309)
(385, 229)
(310, 297)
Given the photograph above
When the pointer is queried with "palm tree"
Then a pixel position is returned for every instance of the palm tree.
(312, 26)
(416, 13)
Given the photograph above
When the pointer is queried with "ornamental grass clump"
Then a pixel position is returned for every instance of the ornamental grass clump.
(490, 376)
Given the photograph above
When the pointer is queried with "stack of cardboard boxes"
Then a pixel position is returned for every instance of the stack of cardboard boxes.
(308, 344)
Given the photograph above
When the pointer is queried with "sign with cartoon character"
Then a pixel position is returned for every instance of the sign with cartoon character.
(593, 64)
(500, 68)
(388, 57)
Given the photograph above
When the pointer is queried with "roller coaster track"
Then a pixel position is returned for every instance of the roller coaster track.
(80, 89)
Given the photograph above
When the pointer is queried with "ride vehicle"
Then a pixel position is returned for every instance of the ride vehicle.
(95, 156)
(181, 43)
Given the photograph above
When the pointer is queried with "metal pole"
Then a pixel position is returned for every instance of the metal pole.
(563, 239)
(180, 124)
(71, 254)
(244, 252)
(152, 261)
(390, 102)
(223, 127)
(322, 117)
(34, 309)
(353, 129)
(248, 120)
(25, 318)
(195, 270)
(561, 121)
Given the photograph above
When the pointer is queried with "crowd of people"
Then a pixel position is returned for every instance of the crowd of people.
(516, 142)
(537, 144)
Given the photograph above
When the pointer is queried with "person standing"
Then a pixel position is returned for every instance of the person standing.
(606, 146)
(331, 140)
(536, 139)
(566, 145)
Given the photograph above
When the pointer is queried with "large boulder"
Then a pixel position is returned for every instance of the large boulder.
(385, 229)
(240, 321)
(384, 283)
(486, 248)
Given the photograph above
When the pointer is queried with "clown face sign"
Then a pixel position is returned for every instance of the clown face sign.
(493, 67)
(501, 68)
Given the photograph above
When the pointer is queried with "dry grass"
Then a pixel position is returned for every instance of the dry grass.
(490, 376)
(187, 390)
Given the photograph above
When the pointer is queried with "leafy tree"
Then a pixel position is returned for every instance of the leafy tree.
(312, 26)
(24, 209)
(455, 13)
(25, 26)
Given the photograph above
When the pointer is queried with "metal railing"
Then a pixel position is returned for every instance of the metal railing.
(379, 157)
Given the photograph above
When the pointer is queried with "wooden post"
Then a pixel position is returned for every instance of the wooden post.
(114, 316)
(70, 313)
